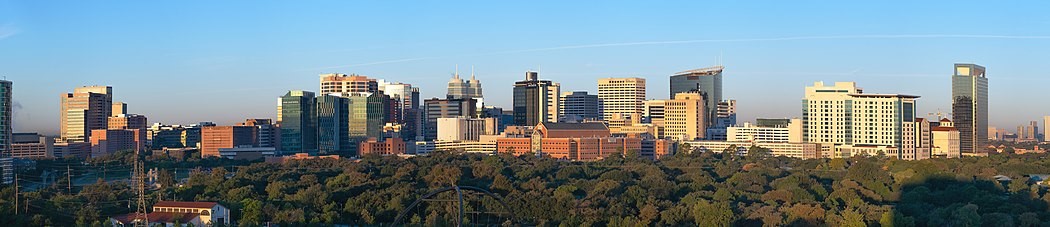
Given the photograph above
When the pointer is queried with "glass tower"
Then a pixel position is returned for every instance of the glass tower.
(706, 81)
(332, 125)
(970, 107)
(298, 122)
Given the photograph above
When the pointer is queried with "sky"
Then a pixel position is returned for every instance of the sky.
(183, 62)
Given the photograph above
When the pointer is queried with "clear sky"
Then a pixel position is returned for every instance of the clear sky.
(188, 61)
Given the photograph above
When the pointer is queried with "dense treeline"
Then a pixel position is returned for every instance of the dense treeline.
(705, 189)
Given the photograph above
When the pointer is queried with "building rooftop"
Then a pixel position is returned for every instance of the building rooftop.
(158, 217)
(708, 70)
(885, 96)
(205, 205)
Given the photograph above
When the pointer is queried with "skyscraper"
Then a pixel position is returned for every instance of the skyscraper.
(405, 101)
(435, 108)
(347, 84)
(970, 107)
(536, 100)
(578, 106)
(86, 109)
(332, 125)
(298, 122)
(1046, 125)
(5, 131)
(367, 117)
(621, 96)
(458, 88)
(706, 81)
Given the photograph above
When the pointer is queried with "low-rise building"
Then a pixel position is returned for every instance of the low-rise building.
(72, 149)
(31, 145)
(170, 213)
(588, 141)
(108, 141)
(389, 146)
(945, 140)
(247, 152)
(794, 150)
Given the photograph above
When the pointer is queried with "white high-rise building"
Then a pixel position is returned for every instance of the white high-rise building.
(843, 115)
(621, 96)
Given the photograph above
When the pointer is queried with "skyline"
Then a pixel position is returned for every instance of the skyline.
(48, 50)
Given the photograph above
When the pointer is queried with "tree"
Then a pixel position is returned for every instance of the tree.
(717, 214)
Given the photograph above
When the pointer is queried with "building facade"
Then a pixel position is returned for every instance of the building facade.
(621, 96)
(788, 132)
(344, 85)
(298, 123)
(86, 109)
(390, 146)
(580, 106)
(464, 128)
(214, 138)
(31, 145)
(435, 108)
(685, 117)
(535, 100)
(706, 81)
(970, 107)
(333, 124)
(945, 140)
(844, 116)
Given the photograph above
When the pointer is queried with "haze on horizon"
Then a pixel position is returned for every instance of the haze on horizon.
(187, 62)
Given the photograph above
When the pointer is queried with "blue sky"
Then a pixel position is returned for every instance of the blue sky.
(224, 61)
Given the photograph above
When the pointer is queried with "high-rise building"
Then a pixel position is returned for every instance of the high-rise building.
(536, 100)
(621, 96)
(843, 115)
(214, 138)
(460, 89)
(119, 108)
(970, 107)
(344, 85)
(435, 108)
(406, 103)
(86, 109)
(706, 81)
(1033, 131)
(6, 132)
(916, 140)
(298, 122)
(725, 118)
(685, 117)
(464, 128)
(578, 106)
(127, 121)
(333, 125)
(945, 140)
(1046, 125)
(367, 117)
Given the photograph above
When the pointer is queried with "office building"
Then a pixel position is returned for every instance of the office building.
(725, 118)
(945, 140)
(368, 115)
(435, 108)
(855, 122)
(86, 109)
(536, 100)
(6, 131)
(621, 96)
(579, 106)
(266, 133)
(503, 117)
(109, 141)
(344, 85)
(127, 121)
(31, 145)
(333, 124)
(653, 111)
(460, 89)
(685, 117)
(464, 128)
(916, 141)
(390, 146)
(298, 122)
(1033, 131)
(405, 99)
(970, 107)
(783, 131)
(214, 138)
(707, 82)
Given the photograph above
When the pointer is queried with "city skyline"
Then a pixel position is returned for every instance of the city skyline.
(768, 58)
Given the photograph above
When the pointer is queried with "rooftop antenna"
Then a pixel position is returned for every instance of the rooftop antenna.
(471, 72)
(456, 75)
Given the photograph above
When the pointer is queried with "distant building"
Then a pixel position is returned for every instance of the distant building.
(783, 131)
(108, 141)
(503, 117)
(298, 156)
(1046, 126)
(368, 115)
(460, 89)
(80, 150)
(266, 133)
(119, 108)
(684, 117)
(247, 152)
(854, 122)
(916, 141)
(6, 136)
(298, 122)
(464, 128)
(945, 140)
(344, 85)
(86, 109)
(588, 141)
(434, 109)
(707, 82)
(621, 96)
(214, 138)
(391, 146)
(580, 106)
(168, 213)
(127, 121)
(793, 150)
(333, 124)
(653, 111)
(970, 107)
(535, 100)
(406, 100)
(31, 145)
(725, 118)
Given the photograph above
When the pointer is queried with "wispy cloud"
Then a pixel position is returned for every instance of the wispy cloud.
(694, 41)
(8, 30)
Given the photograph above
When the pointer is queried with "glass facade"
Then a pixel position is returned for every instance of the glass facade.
(298, 124)
(970, 106)
(332, 125)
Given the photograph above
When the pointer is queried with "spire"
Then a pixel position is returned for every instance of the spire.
(471, 72)
(456, 75)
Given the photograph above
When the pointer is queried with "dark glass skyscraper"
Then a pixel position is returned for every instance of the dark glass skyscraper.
(535, 100)
(298, 122)
(706, 81)
(970, 107)
(332, 125)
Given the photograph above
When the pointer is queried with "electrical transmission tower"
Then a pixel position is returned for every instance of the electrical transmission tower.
(140, 188)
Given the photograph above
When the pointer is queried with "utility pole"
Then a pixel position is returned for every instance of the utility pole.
(16, 193)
